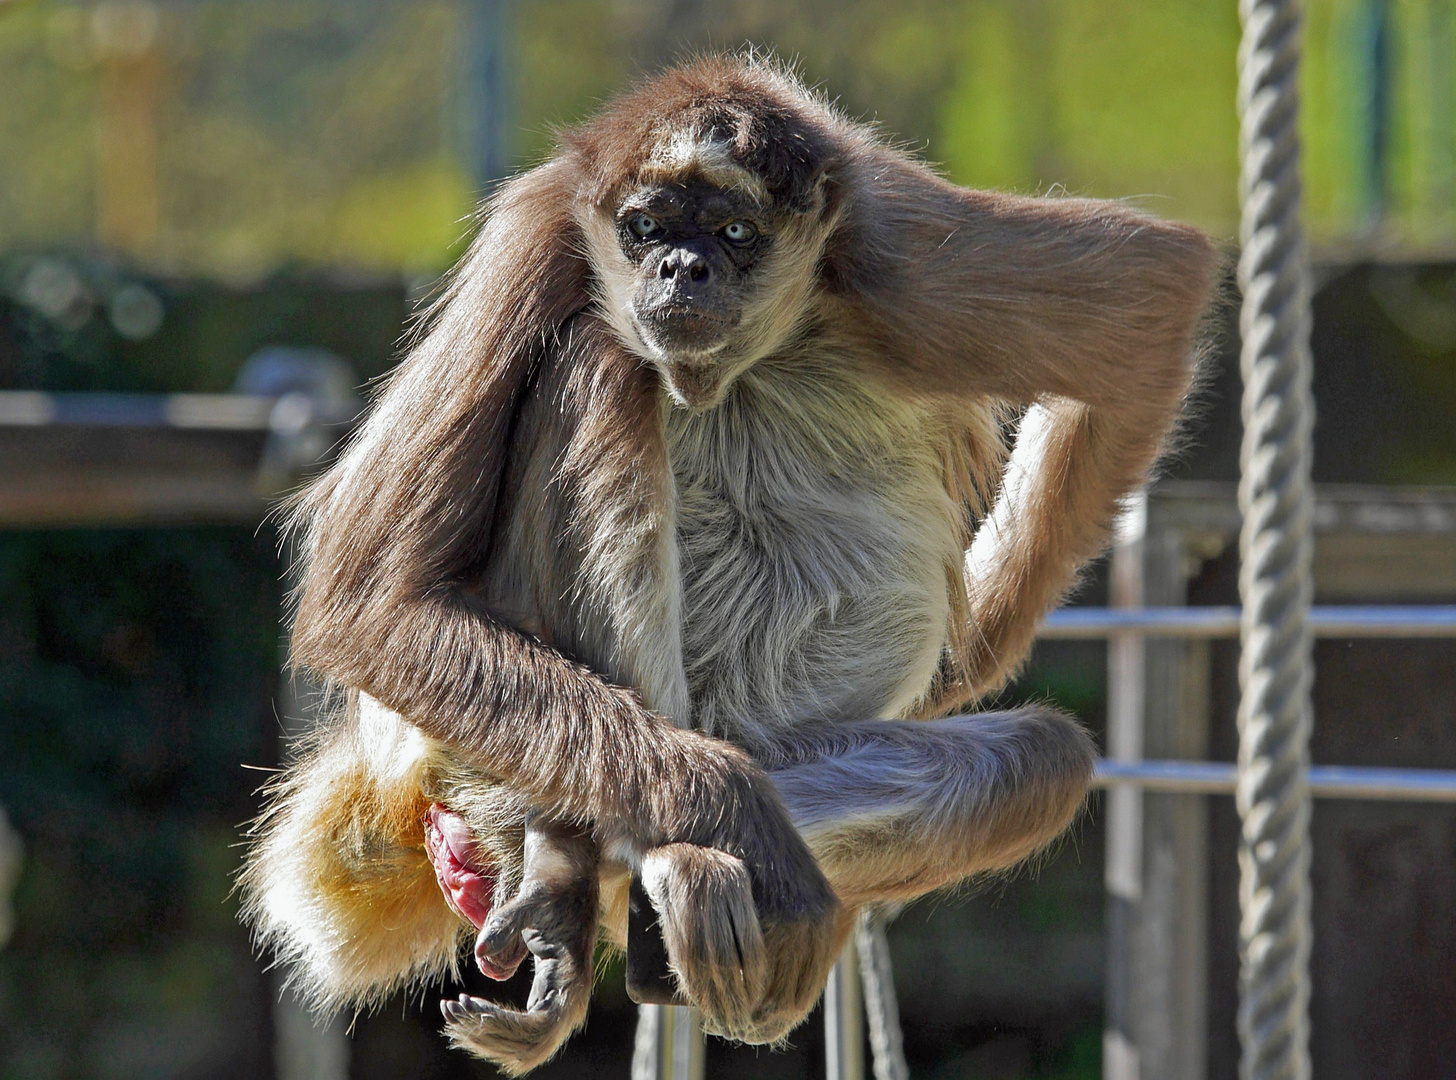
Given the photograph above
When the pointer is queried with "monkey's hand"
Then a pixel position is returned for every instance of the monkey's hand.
(553, 917)
(750, 923)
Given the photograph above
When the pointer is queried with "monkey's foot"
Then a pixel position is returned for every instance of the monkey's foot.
(753, 980)
(554, 918)
(516, 1041)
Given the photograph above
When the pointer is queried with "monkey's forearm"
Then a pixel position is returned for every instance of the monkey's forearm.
(562, 735)
(1071, 466)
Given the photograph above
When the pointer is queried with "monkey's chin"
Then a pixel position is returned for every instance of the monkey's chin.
(697, 383)
(696, 374)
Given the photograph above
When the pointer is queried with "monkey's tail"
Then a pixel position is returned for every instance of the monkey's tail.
(337, 882)
(895, 809)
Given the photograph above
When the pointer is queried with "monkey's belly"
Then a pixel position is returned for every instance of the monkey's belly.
(771, 641)
(814, 587)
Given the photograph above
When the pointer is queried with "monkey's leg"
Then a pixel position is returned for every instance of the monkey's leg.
(895, 809)
(891, 810)
(553, 916)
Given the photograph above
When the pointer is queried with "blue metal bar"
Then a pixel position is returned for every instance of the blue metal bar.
(229, 412)
(1366, 621)
(1326, 781)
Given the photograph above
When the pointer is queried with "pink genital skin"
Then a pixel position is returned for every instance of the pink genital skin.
(469, 888)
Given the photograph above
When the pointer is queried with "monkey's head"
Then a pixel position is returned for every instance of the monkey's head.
(711, 193)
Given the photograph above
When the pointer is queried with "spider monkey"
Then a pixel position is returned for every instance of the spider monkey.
(672, 543)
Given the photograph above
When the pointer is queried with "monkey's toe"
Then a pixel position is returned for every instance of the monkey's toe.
(515, 1041)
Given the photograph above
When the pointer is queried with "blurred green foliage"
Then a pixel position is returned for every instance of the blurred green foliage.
(327, 133)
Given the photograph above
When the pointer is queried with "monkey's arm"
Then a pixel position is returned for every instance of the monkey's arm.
(394, 533)
(395, 530)
(1084, 311)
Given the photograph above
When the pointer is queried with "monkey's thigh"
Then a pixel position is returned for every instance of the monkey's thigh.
(895, 809)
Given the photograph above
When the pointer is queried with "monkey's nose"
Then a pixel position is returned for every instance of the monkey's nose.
(686, 266)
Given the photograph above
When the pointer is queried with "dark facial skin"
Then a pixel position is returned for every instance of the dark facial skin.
(695, 247)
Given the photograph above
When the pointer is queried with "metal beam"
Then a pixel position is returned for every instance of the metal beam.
(1332, 621)
(1325, 781)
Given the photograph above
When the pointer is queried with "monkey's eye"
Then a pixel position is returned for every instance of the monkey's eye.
(739, 232)
(644, 225)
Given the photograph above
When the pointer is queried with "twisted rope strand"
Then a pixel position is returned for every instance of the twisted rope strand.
(1274, 579)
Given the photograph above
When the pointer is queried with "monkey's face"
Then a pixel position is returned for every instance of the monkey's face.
(702, 280)
(694, 248)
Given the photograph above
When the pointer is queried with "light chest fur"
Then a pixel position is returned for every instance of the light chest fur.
(815, 534)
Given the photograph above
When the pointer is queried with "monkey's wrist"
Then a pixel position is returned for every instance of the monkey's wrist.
(705, 791)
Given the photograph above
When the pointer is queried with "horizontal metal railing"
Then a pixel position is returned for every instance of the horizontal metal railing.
(1365, 621)
(227, 412)
(1326, 781)
(1205, 623)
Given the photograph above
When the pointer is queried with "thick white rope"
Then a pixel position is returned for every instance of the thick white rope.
(882, 1010)
(1275, 496)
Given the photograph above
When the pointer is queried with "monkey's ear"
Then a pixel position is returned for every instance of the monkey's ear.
(411, 501)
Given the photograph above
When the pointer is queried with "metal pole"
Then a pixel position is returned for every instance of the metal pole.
(669, 1044)
(1325, 781)
(1362, 621)
(843, 1019)
(1276, 500)
(304, 1047)
(12, 857)
(485, 91)
(1123, 870)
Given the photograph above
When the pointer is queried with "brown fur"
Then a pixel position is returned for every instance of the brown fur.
(494, 557)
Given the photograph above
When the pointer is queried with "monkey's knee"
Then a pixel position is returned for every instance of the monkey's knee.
(893, 810)
(1040, 766)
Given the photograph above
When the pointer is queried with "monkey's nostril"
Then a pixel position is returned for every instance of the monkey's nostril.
(666, 270)
(698, 273)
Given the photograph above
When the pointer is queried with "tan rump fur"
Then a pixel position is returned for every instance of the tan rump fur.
(678, 602)
(338, 883)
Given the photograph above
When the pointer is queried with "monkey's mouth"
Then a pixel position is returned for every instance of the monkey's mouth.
(678, 329)
(468, 885)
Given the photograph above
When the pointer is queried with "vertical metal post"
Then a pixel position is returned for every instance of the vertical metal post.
(485, 96)
(1157, 843)
(1123, 872)
(844, 1019)
(669, 1044)
(882, 1010)
(12, 857)
(1375, 89)
(314, 391)
(1275, 496)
